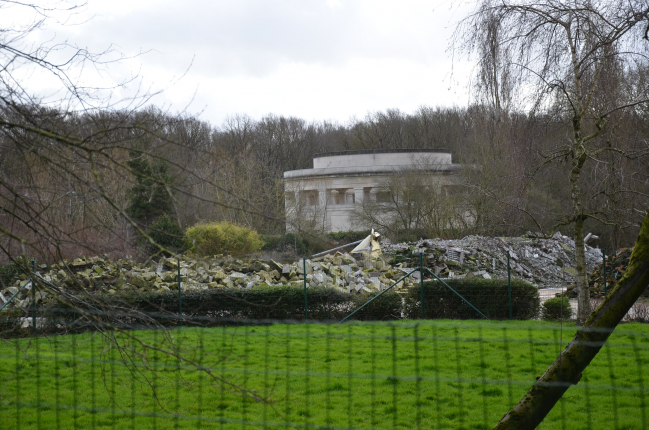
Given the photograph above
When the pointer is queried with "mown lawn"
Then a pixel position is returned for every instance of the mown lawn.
(408, 375)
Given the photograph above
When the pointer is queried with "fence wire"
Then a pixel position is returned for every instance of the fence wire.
(282, 374)
(418, 352)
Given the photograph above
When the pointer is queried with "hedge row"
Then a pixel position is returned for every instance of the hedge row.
(275, 303)
(489, 296)
(220, 305)
(211, 307)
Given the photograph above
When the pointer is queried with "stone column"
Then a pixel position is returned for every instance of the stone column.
(350, 197)
(358, 195)
(335, 197)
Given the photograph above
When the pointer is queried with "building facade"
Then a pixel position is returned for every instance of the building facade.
(326, 196)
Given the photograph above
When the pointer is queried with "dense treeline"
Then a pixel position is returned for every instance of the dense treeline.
(151, 163)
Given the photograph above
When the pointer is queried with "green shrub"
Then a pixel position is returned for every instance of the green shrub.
(557, 309)
(489, 296)
(222, 238)
(223, 305)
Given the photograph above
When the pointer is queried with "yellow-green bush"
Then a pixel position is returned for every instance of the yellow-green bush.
(222, 238)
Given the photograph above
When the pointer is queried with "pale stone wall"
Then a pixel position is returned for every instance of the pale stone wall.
(357, 159)
(324, 197)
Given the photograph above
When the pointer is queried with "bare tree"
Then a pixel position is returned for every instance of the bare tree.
(417, 201)
(573, 58)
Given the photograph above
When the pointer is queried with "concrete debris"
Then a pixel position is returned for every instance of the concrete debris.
(99, 275)
(616, 267)
(543, 262)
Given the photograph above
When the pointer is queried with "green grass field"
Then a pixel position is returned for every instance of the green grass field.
(407, 375)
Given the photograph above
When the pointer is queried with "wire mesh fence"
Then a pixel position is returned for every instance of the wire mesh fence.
(418, 293)
(329, 290)
(423, 352)
(360, 375)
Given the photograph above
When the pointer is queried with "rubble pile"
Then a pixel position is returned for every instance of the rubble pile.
(616, 266)
(101, 275)
(542, 262)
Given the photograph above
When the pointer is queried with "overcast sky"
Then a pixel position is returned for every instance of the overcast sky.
(314, 59)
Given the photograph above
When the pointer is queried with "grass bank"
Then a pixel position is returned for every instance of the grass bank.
(406, 375)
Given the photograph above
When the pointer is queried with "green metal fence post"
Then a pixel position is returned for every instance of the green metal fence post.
(509, 285)
(180, 298)
(306, 300)
(33, 297)
(604, 257)
(421, 283)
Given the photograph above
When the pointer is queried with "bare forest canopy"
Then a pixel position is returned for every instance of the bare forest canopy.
(80, 187)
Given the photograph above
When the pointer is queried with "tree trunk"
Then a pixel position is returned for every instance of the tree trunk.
(583, 293)
(568, 367)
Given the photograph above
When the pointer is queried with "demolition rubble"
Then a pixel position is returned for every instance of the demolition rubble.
(601, 281)
(542, 262)
(546, 263)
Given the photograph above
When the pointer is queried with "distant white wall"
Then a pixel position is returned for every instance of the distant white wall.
(400, 159)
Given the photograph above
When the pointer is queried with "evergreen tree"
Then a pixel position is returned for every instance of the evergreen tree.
(166, 233)
(149, 197)
(151, 205)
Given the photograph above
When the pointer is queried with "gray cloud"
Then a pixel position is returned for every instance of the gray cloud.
(301, 57)
(243, 37)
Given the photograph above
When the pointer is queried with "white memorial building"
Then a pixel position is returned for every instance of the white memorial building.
(327, 194)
